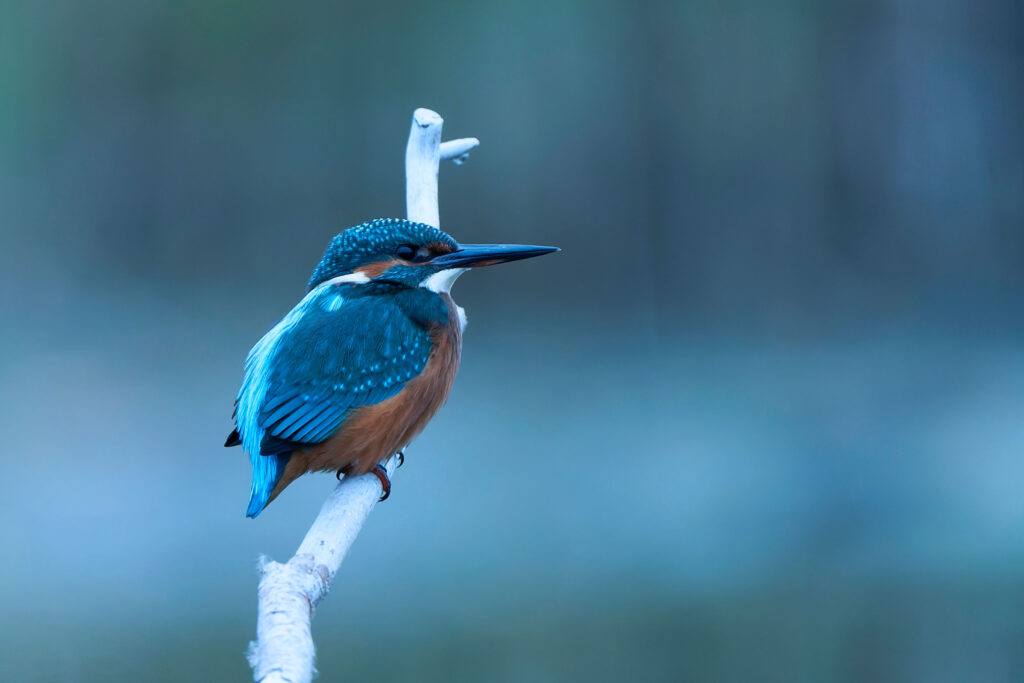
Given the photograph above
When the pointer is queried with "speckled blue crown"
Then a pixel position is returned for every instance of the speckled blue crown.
(373, 241)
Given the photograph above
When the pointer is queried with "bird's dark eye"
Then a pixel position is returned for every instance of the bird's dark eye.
(408, 252)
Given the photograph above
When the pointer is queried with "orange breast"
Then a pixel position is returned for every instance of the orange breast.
(373, 433)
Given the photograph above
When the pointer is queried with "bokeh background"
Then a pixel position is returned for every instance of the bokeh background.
(762, 419)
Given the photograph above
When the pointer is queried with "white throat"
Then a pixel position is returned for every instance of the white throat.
(441, 282)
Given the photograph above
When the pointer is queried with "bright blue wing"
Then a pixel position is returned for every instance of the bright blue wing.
(340, 348)
(341, 353)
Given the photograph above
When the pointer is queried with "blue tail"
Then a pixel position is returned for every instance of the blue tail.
(266, 471)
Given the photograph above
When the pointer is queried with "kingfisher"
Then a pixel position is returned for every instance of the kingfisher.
(364, 361)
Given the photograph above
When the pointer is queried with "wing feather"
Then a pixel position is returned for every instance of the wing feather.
(324, 361)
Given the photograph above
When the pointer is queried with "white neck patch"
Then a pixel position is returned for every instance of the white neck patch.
(357, 278)
(441, 282)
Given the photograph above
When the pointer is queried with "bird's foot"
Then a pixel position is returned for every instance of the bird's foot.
(401, 457)
(385, 482)
(379, 472)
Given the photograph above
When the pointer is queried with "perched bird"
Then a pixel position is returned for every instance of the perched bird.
(360, 365)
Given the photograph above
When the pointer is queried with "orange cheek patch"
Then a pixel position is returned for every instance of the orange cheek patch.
(377, 268)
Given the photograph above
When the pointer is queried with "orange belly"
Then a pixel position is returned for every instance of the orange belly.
(373, 433)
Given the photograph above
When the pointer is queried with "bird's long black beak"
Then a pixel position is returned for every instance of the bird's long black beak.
(477, 255)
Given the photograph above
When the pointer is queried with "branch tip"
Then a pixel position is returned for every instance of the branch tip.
(424, 118)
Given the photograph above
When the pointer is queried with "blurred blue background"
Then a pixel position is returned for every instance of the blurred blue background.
(760, 420)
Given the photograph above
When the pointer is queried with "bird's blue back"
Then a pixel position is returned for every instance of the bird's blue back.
(343, 346)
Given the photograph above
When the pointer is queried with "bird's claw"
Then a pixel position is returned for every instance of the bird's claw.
(379, 472)
(385, 482)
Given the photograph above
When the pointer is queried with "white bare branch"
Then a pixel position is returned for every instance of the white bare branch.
(422, 156)
(458, 150)
(288, 593)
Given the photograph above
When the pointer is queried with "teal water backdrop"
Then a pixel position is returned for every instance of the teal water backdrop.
(761, 419)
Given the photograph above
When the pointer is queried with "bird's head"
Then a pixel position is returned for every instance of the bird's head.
(410, 254)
